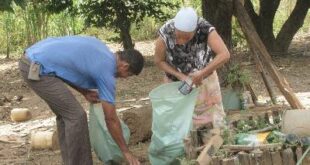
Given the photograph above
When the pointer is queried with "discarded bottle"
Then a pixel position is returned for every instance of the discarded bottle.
(251, 139)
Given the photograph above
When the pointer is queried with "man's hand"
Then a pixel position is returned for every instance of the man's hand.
(132, 160)
(197, 77)
(92, 96)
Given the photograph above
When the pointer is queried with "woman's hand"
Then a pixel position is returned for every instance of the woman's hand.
(182, 77)
(197, 77)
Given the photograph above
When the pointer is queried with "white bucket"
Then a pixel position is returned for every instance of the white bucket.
(296, 122)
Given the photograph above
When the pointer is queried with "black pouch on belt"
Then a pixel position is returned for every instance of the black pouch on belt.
(34, 71)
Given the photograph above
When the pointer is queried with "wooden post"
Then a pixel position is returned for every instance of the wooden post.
(230, 161)
(264, 76)
(216, 160)
(266, 158)
(214, 144)
(276, 158)
(298, 153)
(194, 143)
(258, 156)
(288, 157)
(244, 158)
(189, 149)
(249, 88)
(256, 44)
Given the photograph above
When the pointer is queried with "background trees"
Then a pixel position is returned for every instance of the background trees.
(23, 22)
(120, 15)
(264, 21)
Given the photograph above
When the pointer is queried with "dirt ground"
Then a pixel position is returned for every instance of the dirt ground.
(14, 93)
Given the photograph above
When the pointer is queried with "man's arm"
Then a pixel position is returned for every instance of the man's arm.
(221, 56)
(91, 96)
(80, 90)
(114, 127)
(160, 60)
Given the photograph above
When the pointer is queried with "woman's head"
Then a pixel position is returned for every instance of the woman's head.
(185, 23)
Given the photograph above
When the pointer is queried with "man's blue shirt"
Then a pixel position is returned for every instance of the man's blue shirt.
(83, 61)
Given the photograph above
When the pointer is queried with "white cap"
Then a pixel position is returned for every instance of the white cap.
(186, 20)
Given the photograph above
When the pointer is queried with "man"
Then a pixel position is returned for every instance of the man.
(183, 51)
(84, 63)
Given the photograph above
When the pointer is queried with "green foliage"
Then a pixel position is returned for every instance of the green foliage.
(275, 137)
(116, 14)
(237, 76)
(243, 126)
(227, 136)
(120, 15)
(34, 22)
(146, 30)
(6, 5)
(60, 17)
(238, 39)
(56, 6)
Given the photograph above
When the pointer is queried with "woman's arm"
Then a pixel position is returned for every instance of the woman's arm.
(160, 60)
(221, 56)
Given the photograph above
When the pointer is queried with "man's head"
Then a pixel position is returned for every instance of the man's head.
(185, 23)
(129, 62)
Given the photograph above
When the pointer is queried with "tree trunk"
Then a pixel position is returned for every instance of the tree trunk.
(124, 25)
(292, 25)
(219, 14)
(126, 38)
(267, 13)
(263, 23)
(250, 10)
(7, 45)
(258, 46)
(7, 30)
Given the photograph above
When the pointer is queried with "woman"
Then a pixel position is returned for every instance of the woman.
(183, 51)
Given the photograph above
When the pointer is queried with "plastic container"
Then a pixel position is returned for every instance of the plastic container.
(296, 122)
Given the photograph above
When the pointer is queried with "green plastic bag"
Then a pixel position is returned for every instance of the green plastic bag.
(172, 119)
(101, 141)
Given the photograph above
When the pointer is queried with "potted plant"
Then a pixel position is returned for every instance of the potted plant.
(235, 82)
